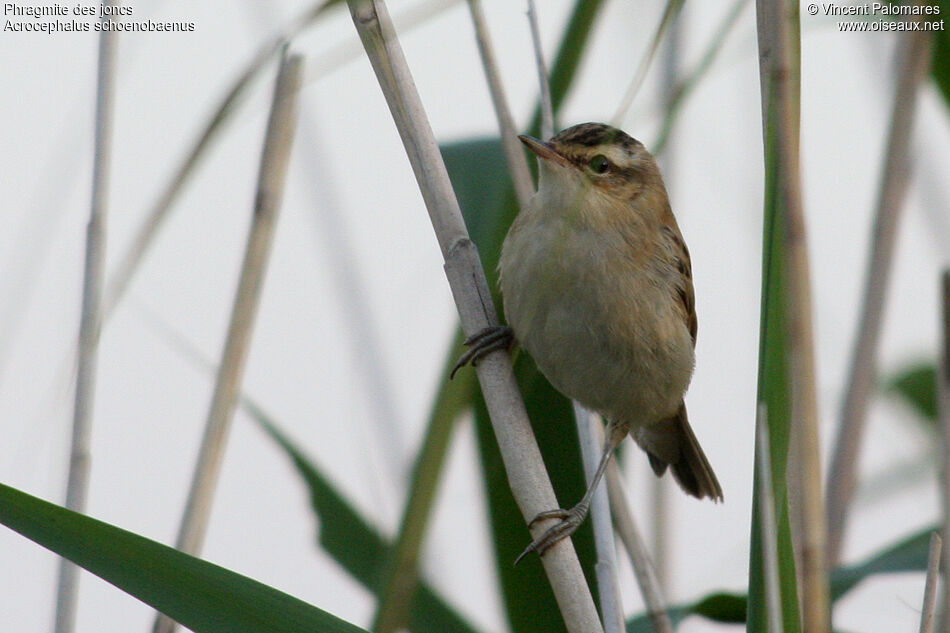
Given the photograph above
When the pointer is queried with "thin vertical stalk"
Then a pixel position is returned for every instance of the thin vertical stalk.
(547, 109)
(769, 525)
(913, 62)
(381, 429)
(672, 9)
(273, 169)
(787, 363)
(811, 526)
(643, 567)
(77, 486)
(930, 588)
(514, 152)
(778, 28)
(591, 434)
(332, 242)
(580, 26)
(400, 578)
(943, 420)
(685, 87)
(529, 481)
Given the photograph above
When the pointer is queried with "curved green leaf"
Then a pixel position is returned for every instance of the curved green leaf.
(719, 607)
(908, 555)
(344, 534)
(398, 588)
(198, 594)
(917, 385)
(479, 176)
(354, 543)
(940, 65)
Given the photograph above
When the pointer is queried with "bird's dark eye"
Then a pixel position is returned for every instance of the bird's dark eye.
(599, 164)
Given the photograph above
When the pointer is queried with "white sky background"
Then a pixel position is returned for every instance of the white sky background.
(304, 365)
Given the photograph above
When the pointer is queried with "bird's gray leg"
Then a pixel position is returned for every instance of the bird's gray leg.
(572, 519)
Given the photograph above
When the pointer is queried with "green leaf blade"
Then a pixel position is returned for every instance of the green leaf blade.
(917, 386)
(202, 596)
(355, 544)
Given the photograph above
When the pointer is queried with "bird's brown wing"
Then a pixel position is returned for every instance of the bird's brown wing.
(679, 257)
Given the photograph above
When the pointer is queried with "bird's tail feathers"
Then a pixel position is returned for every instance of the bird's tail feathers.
(672, 443)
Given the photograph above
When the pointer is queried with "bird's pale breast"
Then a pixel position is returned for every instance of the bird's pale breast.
(600, 322)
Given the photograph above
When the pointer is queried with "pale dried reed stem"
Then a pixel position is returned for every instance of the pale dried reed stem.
(529, 481)
(514, 152)
(547, 108)
(591, 435)
(929, 608)
(90, 323)
(943, 423)
(633, 542)
(780, 69)
(270, 186)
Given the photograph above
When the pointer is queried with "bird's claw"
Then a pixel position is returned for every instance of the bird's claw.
(481, 343)
(557, 513)
(570, 520)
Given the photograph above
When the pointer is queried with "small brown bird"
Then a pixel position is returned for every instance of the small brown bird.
(598, 288)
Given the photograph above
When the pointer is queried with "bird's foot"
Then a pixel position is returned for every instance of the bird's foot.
(484, 342)
(570, 520)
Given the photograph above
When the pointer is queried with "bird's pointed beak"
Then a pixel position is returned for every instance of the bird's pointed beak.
(544, 151)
